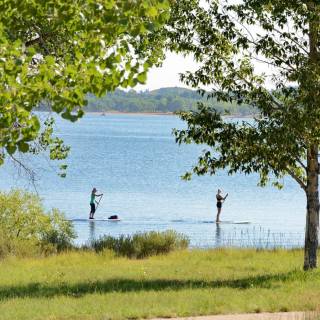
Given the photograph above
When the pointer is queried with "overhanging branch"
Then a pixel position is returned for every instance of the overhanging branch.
(31, 174)
(298, 179)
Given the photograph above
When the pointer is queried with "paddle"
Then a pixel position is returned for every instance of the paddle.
(97, 202)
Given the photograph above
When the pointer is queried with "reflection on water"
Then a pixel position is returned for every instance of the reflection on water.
(212, 234)
(92, 234)
(218, 235)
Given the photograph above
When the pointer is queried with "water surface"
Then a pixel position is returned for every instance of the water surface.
(135, 162)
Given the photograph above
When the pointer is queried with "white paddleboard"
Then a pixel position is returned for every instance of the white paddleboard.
(233, 222)
(228, 222)
(92, 220)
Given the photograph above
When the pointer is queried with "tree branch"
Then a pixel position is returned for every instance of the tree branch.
(301, 164)
(29, 172)
(293, 40)
(295, 177)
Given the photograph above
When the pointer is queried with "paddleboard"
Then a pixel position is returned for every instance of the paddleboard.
(92, 220)
(234, 222)
(228, 222)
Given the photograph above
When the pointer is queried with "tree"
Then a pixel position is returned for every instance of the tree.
(23, 219)
(54, 52)
(230, 41)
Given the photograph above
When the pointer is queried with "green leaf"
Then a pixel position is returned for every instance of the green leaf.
(11, 149)
(152, 11)
(142, 77)
(63, 167)
(23, 146)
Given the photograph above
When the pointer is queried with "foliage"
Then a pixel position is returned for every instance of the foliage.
(24, 221)
(59, 233)
(229, 41)
(160, 100)
(57, 51)
(142, 245)
(18, 247)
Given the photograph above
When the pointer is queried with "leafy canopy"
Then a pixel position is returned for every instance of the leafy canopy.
(56, 51)
(230, 42)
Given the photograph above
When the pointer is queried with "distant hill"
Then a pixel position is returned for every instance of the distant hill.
(160, 100)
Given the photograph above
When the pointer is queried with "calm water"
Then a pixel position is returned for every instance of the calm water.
(135, 162)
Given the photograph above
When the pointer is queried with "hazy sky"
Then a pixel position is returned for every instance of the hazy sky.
(168, 74)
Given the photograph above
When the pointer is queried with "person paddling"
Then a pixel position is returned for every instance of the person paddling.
(220, 199)
(93, 202)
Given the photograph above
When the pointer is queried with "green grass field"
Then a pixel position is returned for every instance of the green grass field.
(82, 285)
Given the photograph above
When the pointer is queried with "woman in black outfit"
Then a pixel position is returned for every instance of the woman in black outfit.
(220, 199)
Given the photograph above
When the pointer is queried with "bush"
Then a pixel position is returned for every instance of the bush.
(18, 248)
(59, 233)
(142, 245)
(24, 224)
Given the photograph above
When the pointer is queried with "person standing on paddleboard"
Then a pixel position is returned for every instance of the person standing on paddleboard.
(220, 199)
(93, 202)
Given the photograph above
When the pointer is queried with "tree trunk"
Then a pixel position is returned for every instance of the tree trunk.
(312, 223)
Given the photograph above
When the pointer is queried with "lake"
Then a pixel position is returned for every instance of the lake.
(135, 162)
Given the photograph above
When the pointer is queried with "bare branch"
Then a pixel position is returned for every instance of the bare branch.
(269, 63)
(30, 173)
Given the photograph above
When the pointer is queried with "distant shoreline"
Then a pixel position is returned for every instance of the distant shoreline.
(106, 113)
(101, 113)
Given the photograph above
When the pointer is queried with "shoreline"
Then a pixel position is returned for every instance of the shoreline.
(102, 113)
(106, 113)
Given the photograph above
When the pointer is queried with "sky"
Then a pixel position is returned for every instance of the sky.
(168, 74)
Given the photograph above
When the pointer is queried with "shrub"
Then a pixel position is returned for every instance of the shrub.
(142, 245)
(59, 232)
(18, 248)
(24, 224)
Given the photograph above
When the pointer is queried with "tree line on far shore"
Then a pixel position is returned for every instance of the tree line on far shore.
(160, 100)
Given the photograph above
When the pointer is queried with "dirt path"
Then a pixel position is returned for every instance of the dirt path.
(256, 316)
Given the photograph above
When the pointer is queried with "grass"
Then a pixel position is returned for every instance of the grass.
(85, 285)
